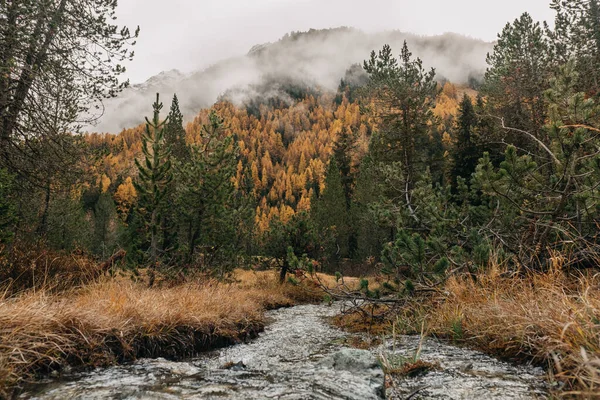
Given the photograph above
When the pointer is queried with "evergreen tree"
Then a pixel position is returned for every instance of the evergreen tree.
(154, 177)
(517, 78)
(175, 133)
(541, 211)
(205, 193)
(288, 241)
(404, 96)
(466, 154)
(175, 139)
(371, 231)
(343, 152)
(576, 35)
(436, 155)
(241, 219)
(331, 215)
(342, 155)
(58, 60)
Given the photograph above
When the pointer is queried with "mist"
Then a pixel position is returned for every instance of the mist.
(315, 58)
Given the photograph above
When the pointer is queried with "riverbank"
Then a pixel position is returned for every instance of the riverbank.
(552, 319)
(116, 321)
(549, 319)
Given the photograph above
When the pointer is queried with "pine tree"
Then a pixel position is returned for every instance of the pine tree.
(58, 60)
(404, 96)
(370, 231)
(175, 139)
(286, 241)
(154, 177)
(342, 153)
(205, 191)
(576, 35)
(517, 78)
(543, 212)
(466, 154)
(331, 215)
(175, 133)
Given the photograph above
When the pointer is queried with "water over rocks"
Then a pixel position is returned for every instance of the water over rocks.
(461, 374)
(301, 356)
(363, 365)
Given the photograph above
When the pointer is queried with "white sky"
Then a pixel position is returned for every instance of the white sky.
(192, 34)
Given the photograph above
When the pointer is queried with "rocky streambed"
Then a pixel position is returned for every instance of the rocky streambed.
(301, 356)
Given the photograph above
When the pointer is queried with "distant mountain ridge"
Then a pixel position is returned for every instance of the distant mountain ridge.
(314, 58)
(162, 78)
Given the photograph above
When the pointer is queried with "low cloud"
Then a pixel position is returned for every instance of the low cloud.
(314, 58)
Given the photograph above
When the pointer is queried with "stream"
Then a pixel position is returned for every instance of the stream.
(301, 356)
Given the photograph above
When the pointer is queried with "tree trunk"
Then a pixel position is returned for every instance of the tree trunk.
(283, 273)
(154, 237)
(43, 226)
(190, 235)
(33, 62)
(6, 54)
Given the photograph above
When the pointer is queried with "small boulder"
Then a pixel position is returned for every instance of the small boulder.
(361, 363)
(354, 360)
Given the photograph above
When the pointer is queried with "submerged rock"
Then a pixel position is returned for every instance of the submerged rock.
(362, 363)
(353, 360)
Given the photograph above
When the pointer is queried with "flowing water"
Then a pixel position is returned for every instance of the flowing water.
(301, 356)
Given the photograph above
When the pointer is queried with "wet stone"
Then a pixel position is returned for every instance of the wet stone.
(361, 363)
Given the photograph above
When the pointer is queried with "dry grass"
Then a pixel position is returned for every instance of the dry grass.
(28, 266)
(551, 318)
(404, 367)
(117, 321)
(373, 321)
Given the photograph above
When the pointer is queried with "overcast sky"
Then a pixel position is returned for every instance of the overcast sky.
(192, 34)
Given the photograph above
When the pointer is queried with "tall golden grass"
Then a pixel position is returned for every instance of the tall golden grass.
(551, 318)
(118, 320)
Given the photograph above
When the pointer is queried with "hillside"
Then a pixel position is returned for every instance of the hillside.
(317, 58)
(284, 149)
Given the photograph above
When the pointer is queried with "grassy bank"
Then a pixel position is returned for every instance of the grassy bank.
(117, 321)
(551, 319)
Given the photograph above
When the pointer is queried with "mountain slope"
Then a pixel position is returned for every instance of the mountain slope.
(316, 58)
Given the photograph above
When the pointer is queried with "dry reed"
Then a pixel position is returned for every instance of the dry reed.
(550, 318)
